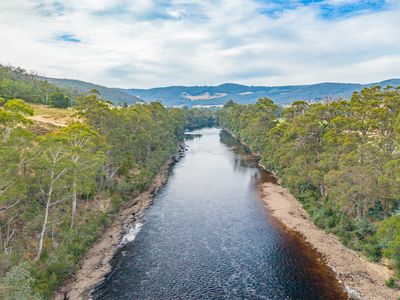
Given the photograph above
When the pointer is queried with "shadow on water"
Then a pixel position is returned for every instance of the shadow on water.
(209, 236)
(314, 260)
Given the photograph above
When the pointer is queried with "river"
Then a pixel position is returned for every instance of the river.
(209, 236)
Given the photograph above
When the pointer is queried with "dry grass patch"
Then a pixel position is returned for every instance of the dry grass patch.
(52, 115)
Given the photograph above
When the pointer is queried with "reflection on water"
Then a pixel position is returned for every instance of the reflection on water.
(208, 236)
(191, 136)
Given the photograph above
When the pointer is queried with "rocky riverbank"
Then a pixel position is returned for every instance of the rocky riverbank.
(95, 265)
(361, 279)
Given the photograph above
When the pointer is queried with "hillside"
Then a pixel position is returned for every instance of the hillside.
(217, 95)
(16, 82)
(77, 87)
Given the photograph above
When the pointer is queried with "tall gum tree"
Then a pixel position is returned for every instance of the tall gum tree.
(86, 152)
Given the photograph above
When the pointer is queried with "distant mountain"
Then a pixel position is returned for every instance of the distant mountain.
(218, 95)
(118, 96)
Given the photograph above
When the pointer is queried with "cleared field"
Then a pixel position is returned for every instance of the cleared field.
(51, 115)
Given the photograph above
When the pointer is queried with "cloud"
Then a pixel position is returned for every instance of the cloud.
(148, 43)
(49, 8)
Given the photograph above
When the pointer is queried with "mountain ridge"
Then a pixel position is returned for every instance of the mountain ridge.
(244, 94)
(207, 95)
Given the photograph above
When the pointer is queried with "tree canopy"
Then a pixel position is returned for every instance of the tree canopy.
(340, 158)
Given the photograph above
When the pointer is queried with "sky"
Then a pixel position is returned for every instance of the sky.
(149, 43)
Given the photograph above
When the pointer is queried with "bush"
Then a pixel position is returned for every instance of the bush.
(388, 235)
(372, 249)
(364, 229)
(390, 283)
(17, 284)
(58, 99)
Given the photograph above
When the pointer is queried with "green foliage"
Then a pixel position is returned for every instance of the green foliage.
(200, 117)
(17, 284)
(58, 99)
(392, 283)
(18, 83)
(389, 237)
(341, 159)
(74, 88)
(60, 190)
(12, 115)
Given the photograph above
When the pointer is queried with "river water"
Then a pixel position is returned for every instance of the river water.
(209, 236)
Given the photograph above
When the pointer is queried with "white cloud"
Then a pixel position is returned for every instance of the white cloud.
(183, 42)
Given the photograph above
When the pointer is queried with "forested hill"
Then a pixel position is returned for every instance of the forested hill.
(117, 96)
(218, 95)
(16, 82)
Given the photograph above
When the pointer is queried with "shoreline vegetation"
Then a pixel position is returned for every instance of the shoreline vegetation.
(95, 265)
(66, 173)
(360, 278)
(68, 163)
(340, 160)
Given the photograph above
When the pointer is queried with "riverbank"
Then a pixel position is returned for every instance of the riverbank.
(95, 265)
(361, 279)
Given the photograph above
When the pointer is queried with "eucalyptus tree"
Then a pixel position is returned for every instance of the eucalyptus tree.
(53, 169)
(86, 151)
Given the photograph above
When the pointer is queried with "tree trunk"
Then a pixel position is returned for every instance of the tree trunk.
(46, 214)
(44, 225)
(360, 210)
(74, 201)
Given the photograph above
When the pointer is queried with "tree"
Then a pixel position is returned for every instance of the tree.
(85, 150)
(52, 167)
(13, 114)
(340, 158)
(93, 110)
(58, 99)
(16, 156)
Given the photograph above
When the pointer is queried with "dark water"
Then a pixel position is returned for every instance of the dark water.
(208, 236)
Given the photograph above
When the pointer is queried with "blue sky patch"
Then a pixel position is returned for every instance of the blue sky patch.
(68, 38)
(328, 9)
(352, 8)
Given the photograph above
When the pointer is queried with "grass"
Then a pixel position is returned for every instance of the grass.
(44, 110)
(52, 115)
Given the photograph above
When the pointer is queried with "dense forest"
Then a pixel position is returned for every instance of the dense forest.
(200, 117)
(60, 187)
(341, 159)
(17, 83)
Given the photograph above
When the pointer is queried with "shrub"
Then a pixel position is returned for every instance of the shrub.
(388, 235)
(17, 284)
(390, 283)
(364, 229)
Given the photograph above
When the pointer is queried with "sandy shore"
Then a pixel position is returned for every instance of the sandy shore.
(95, 265)
(362, 279)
